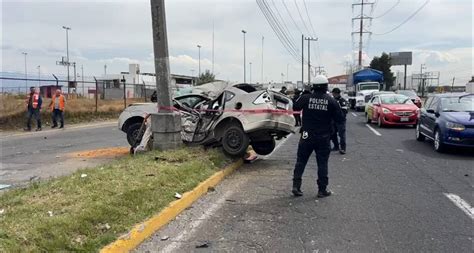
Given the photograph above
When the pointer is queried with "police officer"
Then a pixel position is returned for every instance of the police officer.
(340, 129)
(319, 111)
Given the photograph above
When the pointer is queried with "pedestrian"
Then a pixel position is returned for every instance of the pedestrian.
(319, 110)
(339, 135)
(57, 106)
(33, 106)
(284, 90)
(297, 114)
(154, 97)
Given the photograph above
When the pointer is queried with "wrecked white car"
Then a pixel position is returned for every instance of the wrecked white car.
(233, 116)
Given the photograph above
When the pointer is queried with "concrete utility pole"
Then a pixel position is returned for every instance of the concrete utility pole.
(166, 125)
(302, 60)
(26, 74)
(67, 54)
(39, 75)
(263, 38)
(245, 63)
(199, 56)
(309, 39)
(250, 68)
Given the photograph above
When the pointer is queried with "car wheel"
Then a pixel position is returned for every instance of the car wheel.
(368, 120)
(133, 132)
(437, 144)
(379, 121)
(235, 141)
(419, 135)
(264, 147)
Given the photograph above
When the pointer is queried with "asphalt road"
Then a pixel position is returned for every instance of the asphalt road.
(390, 194)
(41, 155)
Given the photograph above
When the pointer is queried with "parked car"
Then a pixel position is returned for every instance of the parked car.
(412, 95)
(392, 109)
(232, 115)
(448, 120)
(375, 93)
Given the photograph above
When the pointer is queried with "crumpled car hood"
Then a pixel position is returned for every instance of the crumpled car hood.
(212, 90)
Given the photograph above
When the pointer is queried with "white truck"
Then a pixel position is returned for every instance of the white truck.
(363, 93)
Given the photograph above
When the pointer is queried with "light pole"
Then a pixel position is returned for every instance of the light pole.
(26, 74)
(245, 64)
(199, 55)
(250, 77)
(287, 65)
(192, 75)
(67, 54)
(282, 75)
(39, 75)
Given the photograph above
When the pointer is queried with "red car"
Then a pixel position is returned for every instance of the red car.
(412, 95)
(392, 109)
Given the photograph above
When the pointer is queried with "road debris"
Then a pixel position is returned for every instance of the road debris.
(4, 186)
(399, 150)
(50, 213)
(178, 196)
(211, 189)
(165, 238)
(83, 175)
(203, 245)
(150, 175)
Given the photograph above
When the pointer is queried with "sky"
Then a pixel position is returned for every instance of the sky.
(116, 33)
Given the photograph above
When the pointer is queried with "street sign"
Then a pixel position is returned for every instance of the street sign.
(401, 58)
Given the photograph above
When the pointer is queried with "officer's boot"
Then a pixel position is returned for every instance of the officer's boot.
(323, 191)
(297, 188)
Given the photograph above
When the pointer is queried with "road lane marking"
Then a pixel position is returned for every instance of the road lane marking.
(278, 146)
(373, 130)
(192, 227)
(355, 115)
(463, 205)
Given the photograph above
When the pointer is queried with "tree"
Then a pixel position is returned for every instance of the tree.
(382, 63)
(206, 77)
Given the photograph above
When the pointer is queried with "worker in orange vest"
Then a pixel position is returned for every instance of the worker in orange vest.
(33, 106)
(57, 105)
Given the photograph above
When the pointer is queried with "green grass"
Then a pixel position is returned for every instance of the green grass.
(121, 194)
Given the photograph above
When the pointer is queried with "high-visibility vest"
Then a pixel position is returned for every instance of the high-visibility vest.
(34, 102)
(61, 102)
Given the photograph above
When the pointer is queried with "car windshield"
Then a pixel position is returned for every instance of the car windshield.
(408, 93)
(395, 99)
(458, 104)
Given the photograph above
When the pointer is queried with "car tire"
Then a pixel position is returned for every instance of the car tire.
(264, 147)
(380, 122)
(367, 119)
(419, 135)
(235, 141)
(437, 144)
(132, 132)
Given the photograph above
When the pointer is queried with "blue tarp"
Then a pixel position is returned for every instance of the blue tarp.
(367, 75)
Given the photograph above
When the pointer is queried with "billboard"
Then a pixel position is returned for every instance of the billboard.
(401, 58)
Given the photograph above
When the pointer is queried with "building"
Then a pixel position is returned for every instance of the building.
(137, 84)
(339, 81)
(47, 91)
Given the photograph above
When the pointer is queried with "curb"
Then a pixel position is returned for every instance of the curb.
(147, 228)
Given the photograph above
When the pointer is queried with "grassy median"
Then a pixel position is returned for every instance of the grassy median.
(92, 207)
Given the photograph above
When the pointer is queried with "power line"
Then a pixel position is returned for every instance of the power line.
(301, 17)
(314, 32)
(389, 10)
(281, 35)
(283, 21)
(291, 16)
(406, 20)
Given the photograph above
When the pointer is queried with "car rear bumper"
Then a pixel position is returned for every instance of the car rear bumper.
(391, 119)
(271, 126)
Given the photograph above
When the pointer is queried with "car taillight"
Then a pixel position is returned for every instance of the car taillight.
(262, 99)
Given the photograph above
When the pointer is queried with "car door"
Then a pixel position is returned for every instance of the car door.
(430, 119)
(423, 116)
(375, 108)
(369, 110)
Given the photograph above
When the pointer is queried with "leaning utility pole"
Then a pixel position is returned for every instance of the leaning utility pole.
(309, 39)
(361, 31)
(166, 125)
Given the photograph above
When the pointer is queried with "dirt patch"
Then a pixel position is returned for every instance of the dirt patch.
(102, 153)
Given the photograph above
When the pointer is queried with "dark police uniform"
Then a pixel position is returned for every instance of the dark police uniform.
(319, 111)
(340, 129)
